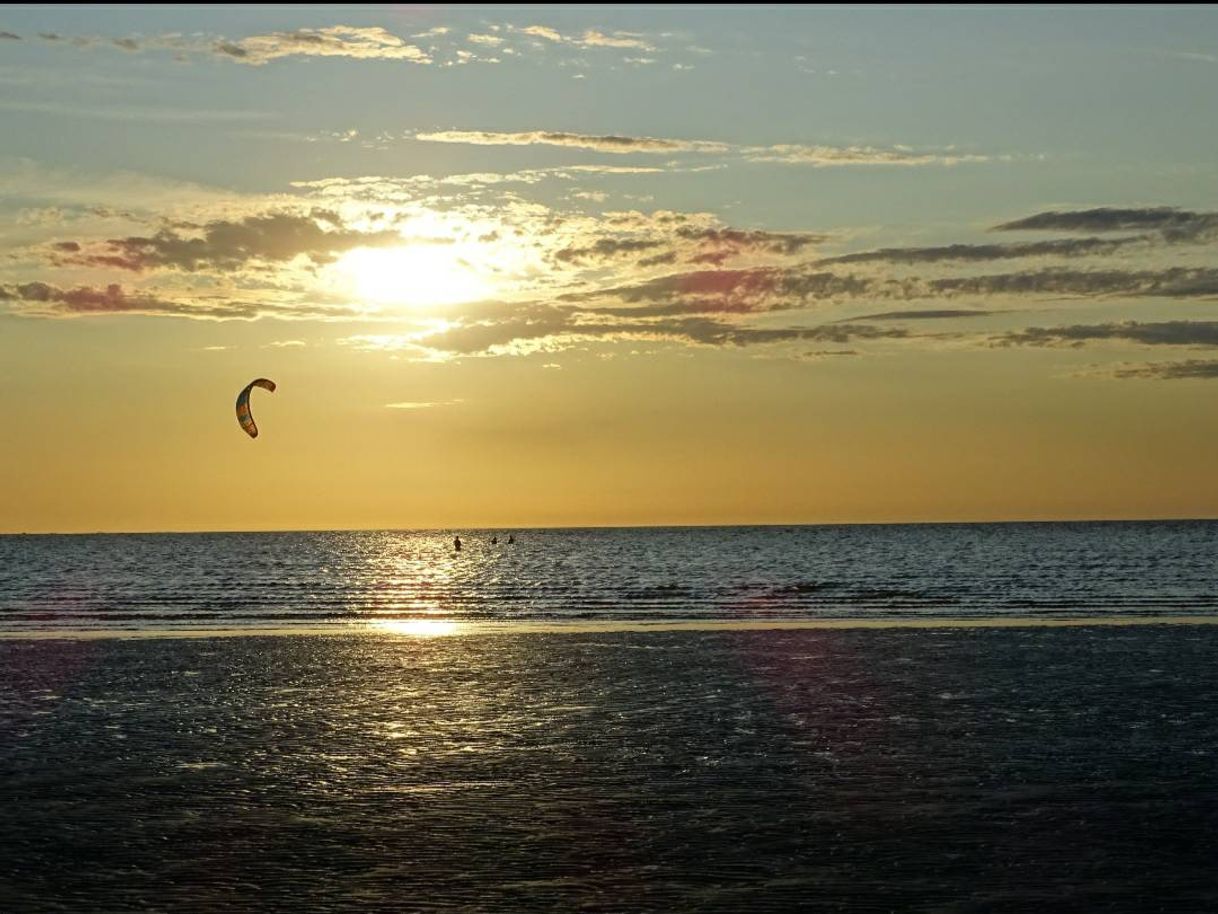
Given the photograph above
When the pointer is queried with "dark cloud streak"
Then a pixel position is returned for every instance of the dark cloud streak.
(1161, 333)
(226, 245)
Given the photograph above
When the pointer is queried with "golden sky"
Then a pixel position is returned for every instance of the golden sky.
(605, 269)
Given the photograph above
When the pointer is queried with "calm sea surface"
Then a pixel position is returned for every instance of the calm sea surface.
(942, 769)
(157, 581)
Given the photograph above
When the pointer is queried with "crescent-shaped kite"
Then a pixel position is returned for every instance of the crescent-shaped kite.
(244, 416)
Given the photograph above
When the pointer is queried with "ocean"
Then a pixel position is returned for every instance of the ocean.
(337, 579)
(977, 737)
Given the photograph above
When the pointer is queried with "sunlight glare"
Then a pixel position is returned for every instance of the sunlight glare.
(414, 275)
(419, 628)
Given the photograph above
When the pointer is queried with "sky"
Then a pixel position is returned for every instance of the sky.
(516, 266)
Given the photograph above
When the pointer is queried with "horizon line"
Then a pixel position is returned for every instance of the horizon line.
(655, 526)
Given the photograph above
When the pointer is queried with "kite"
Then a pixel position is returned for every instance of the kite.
(244, 416)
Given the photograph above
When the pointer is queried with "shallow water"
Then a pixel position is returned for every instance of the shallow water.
(826, 572)
(954, 770)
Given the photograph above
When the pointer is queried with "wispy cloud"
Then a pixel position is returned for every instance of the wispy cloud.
(606, 143)
(923, 315)
(356, 42)
(1160, 333)
(224, 244)
(441, 45)
(363, 43)
(1068, 247)
(113, 299)
(431, 404)
(1189, 369)
(825, 156)
(40, 299)
(1170, 221)
(590, 38)
(1192, 55)
(554, 329)
(1173, 282)
(787, 154)
(134, 113)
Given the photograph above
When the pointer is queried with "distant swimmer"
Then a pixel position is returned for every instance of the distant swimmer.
(457, 543)
(494, 541)
(511, 539)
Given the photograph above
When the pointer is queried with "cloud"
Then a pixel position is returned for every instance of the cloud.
(1155, 226)
(607, 143)
(542, 328)
(817, 156)
(1069, 247)
(51, 300)
(40, 299)
(358, 42)
(224, 244)
(822, 156)
(135, 112)
(1166, 219)
(561, 332)
(1168, 371)
(1162, 333)
(423, 405)
(366, 43)
(928, 314)
(595, 39)
(438, 45)
(742, 291)
(1174, 282)
(542, 31)
(591, 38)
(694, 243)
(560, 279)
(606, 249)
(785, 243)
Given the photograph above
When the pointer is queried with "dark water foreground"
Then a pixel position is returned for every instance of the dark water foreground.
(980, 770)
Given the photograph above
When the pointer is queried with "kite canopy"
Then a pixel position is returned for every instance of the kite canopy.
(244, 416)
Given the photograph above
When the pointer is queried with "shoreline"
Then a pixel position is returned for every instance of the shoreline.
(432, 628)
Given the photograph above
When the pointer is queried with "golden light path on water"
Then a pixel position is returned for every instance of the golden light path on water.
(420, 628)
(426, 628)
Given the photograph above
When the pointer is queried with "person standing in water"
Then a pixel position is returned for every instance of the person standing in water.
(511, 539)
(457, 543)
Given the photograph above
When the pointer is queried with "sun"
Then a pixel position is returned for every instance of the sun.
(418, 275)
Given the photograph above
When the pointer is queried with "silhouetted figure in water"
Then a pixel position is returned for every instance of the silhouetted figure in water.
(494, 541)
(457, 543)
(511, 539)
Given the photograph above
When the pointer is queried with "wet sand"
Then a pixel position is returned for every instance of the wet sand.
(944, 769)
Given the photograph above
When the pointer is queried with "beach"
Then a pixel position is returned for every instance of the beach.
(947, 769)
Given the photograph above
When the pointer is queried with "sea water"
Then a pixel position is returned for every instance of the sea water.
(926, 571)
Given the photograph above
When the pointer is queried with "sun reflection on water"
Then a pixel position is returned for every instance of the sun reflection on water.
(419, 628)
